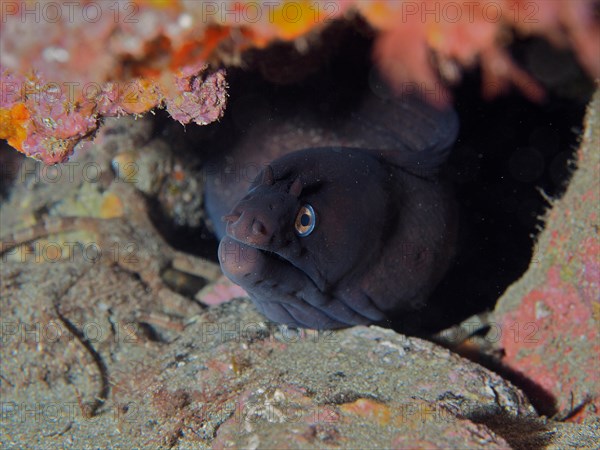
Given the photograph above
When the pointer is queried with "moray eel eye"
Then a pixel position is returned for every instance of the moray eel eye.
(305, 221)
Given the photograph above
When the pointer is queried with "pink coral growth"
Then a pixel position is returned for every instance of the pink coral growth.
(52, 121)
(127, 57)
(66, 65)
(461, 33)
(54, 125)
(200, 99)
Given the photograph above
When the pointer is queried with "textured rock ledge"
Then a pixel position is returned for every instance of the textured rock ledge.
(93, 352)
(551, 316)
(228, 380)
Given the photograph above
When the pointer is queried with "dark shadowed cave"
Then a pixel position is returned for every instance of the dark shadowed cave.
(511, 153)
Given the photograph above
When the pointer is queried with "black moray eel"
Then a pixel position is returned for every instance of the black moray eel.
(354, 230)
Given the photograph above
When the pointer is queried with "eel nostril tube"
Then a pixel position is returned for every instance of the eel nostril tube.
(258, 228)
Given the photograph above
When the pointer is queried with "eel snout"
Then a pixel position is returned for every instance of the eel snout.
(250, 226)
(240, 262)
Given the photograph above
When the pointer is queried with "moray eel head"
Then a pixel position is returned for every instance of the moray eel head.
(310, 221)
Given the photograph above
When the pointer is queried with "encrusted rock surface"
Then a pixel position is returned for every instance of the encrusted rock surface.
(98, 351)
(224, 378)
(550, 318)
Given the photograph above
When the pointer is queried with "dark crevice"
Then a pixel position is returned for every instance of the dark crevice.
(521, 433)
(507, 151)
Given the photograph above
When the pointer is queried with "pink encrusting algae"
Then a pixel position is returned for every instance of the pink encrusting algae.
(549, 319)
(71, 63)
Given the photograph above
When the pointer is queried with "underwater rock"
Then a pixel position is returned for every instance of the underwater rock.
(549, 319)
(169, 372)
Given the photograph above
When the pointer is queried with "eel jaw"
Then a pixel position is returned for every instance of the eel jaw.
(248, 265)
(281, 291)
